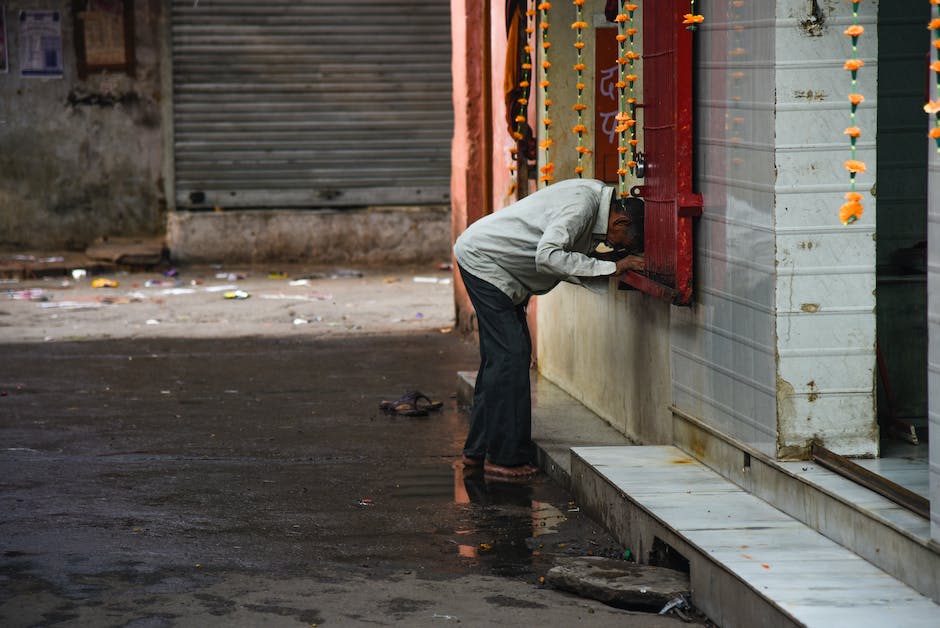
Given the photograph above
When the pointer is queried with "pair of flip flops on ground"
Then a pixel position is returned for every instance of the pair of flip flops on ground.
(412, 403)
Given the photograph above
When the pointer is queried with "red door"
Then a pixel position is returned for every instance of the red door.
(666, 116)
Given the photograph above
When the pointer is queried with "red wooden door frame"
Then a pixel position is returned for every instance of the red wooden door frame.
(666, 114)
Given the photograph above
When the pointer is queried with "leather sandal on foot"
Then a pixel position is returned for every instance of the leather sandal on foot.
(412, 403)
(512, 473)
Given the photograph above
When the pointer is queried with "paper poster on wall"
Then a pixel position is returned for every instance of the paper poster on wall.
(4, 57)
(104, 36)
(40, 43)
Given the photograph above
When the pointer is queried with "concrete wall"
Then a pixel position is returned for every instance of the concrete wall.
(778, 351)
(81, 159)
(392, 236)
(723, 347)
(825, 293)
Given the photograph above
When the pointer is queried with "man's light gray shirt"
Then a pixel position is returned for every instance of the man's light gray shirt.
(528, 247)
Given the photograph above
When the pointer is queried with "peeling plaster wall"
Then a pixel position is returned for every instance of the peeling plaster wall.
(81, 159)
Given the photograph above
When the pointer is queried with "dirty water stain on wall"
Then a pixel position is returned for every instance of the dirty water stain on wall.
(81, 159)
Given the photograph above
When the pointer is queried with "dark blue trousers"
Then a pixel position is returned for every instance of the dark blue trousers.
(501, 417)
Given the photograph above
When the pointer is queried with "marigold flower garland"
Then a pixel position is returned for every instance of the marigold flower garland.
(548, 169)
(524, 81)
(690, 19)
(579, 67)
(933, 106)
(626, 115)
(852, 209)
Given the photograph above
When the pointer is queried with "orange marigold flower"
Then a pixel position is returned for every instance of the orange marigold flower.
(621, 128)
(622, 61)
(632, 55)
(548, 168)
(584, 150)
(544, 25)
(934, 133)
(854, 166)
(935, 43)
(579, 25)
(547, 121)
(544, 83)
(853, 196)
(517, 135)
(621, 17)
(622, 149)
(546, 45)
(578, 2)
(544, 6)
(850, 212)
(622, 171)
(630, 7)
(631, 101)
(579, 107)
(520, 118)
(632, 31)
(544, 144)
(932, 106)
(634, 142)
(578, 44)
(853, 131)
(853, 64)
(523, 83)
(528, 48)
(526, 66)
(546, 64)
(530, 12)
(580, 86)
(631, 77)
(856, 99)
(854, 30)
(935, 66)
(580, 67)
(632, 164)
(548, 102)
(522, 101)
(578, 169)
(529, 30)
(690, 19)
(620, 84)
(621, 38)
(579, 128)
(934, 24)
(621, 116)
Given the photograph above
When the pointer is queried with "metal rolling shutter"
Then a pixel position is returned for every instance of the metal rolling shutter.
(311, 103)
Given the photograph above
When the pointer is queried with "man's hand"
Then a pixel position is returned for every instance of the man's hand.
(631, 262)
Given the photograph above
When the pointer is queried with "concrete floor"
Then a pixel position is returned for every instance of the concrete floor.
(193, 472)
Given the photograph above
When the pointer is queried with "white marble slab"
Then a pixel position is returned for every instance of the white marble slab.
(815, 580)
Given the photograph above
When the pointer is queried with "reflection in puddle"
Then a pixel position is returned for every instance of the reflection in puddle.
(503, 522)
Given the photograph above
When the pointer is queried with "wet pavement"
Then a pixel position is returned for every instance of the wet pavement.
(253, 481)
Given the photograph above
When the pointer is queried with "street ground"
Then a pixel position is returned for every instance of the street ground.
(178, 458)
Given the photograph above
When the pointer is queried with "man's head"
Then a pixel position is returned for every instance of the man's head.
(625, 224)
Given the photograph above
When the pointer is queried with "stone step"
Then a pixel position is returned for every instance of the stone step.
(750, 563)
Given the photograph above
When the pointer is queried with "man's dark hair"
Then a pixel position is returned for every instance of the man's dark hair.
(632, 208)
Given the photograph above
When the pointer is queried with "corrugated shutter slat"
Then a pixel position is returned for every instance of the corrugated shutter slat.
(311, 103)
